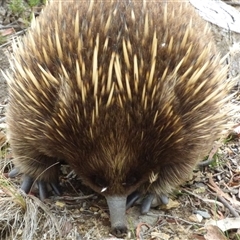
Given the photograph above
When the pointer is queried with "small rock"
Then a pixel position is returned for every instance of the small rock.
(94, 209)
(60, 204)
(204, 214)
(195, 218)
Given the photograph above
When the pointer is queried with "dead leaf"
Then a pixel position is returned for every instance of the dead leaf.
(225, 224)
(196, 237)
(171, 204)
(7, 32)
(159, 235)
(213, 232)
(219, 13)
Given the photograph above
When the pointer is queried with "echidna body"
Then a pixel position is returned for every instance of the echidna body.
(129, 93)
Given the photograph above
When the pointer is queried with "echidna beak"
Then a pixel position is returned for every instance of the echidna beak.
(117, 209)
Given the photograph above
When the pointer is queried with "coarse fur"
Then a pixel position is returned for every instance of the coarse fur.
(130, 93)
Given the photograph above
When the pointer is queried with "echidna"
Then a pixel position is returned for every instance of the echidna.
(130, 93)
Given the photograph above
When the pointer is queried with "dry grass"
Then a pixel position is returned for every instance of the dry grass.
(26, 217)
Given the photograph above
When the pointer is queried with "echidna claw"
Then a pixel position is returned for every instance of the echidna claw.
(56, 188)
(164, 199)
(132, 198)
(27, 183)
(43, 191)
(146, 201)
(13, 173)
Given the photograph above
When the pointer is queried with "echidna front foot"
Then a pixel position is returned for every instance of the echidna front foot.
(146, 201)
(42, 187)
(28, 181)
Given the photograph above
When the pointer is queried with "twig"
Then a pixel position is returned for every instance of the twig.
(15, 35)
(219, 192)
(227, 205)
(210, 156)
(223, 196)
(69, 198)
(138, 229)
(176, 218)
(204, 199)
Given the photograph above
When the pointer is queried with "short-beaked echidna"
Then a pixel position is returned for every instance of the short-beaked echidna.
(130, 93)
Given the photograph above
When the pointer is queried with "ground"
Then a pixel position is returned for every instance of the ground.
(212, 192)
(4, 65)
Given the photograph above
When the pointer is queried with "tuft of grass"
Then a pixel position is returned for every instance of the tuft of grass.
(25, 217)
(11, 193)
(3, 39)
(12, 206)
(131, 228)
(33, 3)
(17, 7)
(228, 139)
(25, 10)
(215, 161)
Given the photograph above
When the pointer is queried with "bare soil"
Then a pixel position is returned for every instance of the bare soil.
(4, 65)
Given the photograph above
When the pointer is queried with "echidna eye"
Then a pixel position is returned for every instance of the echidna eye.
(100, 182)
(130, 181)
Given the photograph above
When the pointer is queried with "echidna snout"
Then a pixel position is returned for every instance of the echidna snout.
(117, 209)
